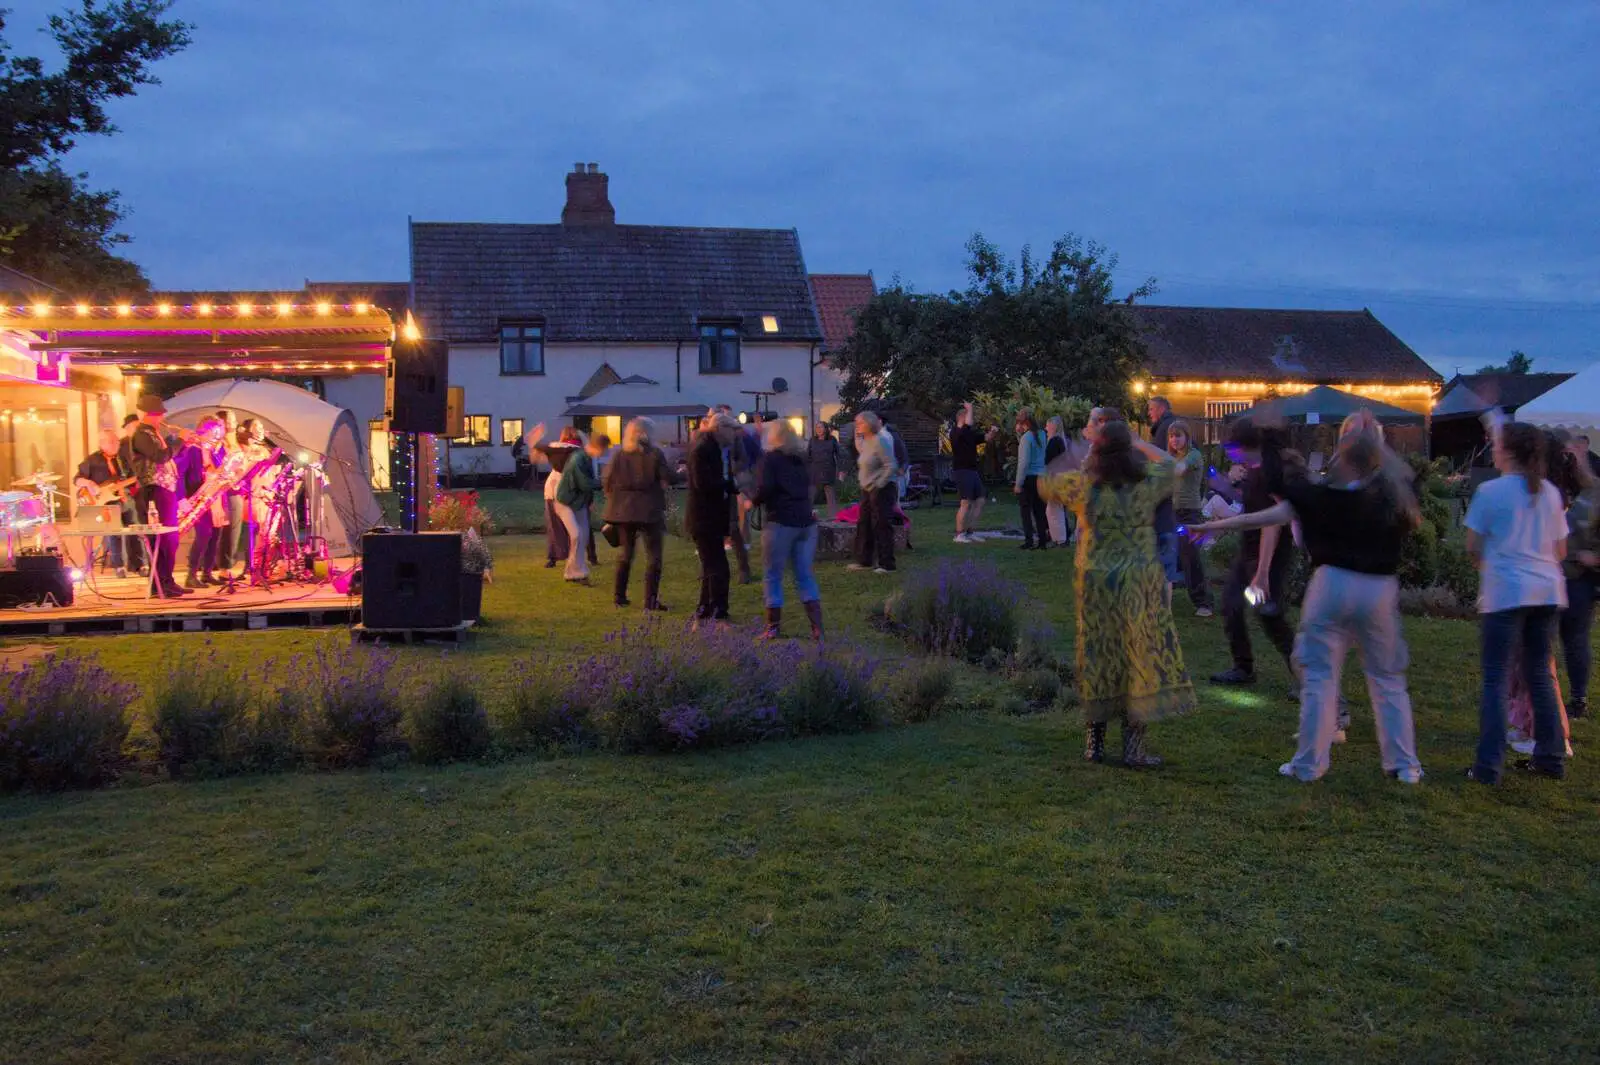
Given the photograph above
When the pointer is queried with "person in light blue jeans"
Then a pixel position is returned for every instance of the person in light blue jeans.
(1355, 528)
(789, 529)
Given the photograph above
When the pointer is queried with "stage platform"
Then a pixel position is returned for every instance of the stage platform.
(113, 604)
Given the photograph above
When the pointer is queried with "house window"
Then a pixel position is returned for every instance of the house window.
(521, 348)
(476, 432)
(510, 430)
(719, 347)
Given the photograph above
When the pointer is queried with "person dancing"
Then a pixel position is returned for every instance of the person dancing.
(1517, 532)
(964, 442)
(1188, 496)
(1354, 529)
(875, 471)
(1129, 664)
(709, 512)
(789, 532)
(1030, 467)
(636, 503)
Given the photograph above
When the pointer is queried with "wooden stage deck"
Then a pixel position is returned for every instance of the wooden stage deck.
(111, 604)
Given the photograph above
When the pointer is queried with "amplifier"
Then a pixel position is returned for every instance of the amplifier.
(38, 580)
(411, 580)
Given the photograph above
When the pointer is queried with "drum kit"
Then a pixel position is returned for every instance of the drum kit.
(29, 513)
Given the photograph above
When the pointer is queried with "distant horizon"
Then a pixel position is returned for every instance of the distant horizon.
(1439, 173)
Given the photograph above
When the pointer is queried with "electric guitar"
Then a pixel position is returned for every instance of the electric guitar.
(110, 492)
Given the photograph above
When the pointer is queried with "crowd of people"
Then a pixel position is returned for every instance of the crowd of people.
(155, 472)
(1136, 512)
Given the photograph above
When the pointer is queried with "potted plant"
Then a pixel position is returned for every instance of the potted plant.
(460, 512)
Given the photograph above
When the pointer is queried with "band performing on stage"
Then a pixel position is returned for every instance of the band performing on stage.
(248, 508)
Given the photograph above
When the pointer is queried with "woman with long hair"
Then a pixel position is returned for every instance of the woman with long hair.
(789, 529)
(708, 514)
(1582, 570)
(823, 463)
(1354, 527)
(1188, 496)
(1030, 467)
(636, 481)
(1129, 665)
(1055, 445)
(1517, 532)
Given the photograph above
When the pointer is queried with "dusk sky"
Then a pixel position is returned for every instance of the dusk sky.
(1436, 162)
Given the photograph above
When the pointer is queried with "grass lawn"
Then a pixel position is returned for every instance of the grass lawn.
(960, 891)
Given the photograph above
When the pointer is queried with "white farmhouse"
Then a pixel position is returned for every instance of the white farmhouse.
(589, 322)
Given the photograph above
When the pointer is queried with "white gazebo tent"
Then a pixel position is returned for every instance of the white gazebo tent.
(308, 430)
(1574, 405)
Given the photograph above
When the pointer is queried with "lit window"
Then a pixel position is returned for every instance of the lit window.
(476, 431)
(510, 430)
(521, 348)
(769, 323)
(719, 347)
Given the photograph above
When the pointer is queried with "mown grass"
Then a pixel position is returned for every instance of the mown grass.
(960, 891)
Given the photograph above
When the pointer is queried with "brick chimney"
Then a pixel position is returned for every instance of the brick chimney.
(588, 203)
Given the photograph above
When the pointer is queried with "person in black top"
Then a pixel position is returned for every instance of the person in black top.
(130, 498)
(964, 441)
(1355, 527)
(789, 531)
(636, 481)
(708, 514)
(100, 470)
(1258, 574)
(823, 463)
(153, 451)
(1166, 520)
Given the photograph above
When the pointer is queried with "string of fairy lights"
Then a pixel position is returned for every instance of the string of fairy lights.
(236, 310)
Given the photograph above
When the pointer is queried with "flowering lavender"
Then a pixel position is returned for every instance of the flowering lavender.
(199, 706)
(355, 708)
(963, 609)
(63, 722)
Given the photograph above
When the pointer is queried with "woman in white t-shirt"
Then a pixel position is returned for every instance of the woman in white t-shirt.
(1517, 531)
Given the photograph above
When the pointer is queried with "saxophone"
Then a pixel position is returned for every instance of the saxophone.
(220, 479)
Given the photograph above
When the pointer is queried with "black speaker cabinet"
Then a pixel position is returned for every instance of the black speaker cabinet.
(416, 388)
(411, 580)
(37, 580)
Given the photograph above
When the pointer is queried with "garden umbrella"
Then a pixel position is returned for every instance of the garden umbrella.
(1325, 405)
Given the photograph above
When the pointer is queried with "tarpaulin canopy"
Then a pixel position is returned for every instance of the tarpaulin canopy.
(1325, 405)
(635, 397)
(299, 422)
(1573, 404)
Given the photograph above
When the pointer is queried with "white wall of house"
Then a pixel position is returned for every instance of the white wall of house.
(542, 397)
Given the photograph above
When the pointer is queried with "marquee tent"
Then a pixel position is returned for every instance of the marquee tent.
(301, 424)
(1573, 404)
(1324, 405)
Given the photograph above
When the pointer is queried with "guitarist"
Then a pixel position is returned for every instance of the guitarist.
(102, 469)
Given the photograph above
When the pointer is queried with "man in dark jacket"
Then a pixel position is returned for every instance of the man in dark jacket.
(153, 449)
(708, 514)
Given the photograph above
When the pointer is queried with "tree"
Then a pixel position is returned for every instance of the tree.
(1054, 322)
(1519, 362)
(52, 225)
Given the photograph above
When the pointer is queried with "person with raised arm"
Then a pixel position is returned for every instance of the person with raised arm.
(1129, 664)
(1354, 527)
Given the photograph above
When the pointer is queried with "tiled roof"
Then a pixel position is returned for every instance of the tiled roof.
(1320, 347)
(838, 298)
(608, 282)
(392, 296)
(1509, 390)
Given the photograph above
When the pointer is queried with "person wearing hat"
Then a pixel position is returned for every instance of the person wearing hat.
(154, 466)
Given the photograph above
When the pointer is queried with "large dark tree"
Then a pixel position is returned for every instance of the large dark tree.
(52, 225)
(1519, 362)
(1054, 321)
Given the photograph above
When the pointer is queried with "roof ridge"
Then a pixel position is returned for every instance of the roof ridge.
(608, 228)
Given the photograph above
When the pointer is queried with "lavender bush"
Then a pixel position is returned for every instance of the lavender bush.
(199, 709)
(448, 722)
(63, 723)
(355, 711)
(922, 690)
(831, 695)
(961, 609)
(275, 735)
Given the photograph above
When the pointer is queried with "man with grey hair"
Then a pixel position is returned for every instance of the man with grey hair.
(875, 468)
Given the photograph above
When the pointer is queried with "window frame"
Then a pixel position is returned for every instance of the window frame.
(506, 441)
(467, 421)
(720, 332)
(529, 337)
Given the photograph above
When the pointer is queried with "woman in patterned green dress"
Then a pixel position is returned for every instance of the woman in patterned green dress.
(1129, 665)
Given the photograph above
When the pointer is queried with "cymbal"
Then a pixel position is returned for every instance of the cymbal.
(34, 480)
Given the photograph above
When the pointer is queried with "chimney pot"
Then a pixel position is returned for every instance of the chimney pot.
(577, 168)
(588, 199)
(594, 168)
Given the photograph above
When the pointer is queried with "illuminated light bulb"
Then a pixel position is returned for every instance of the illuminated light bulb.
(83, 310)
(75, 574)
(245, 309)
(124, 309)
(285, 308)
(303, 458)
(361, 308)
(204, 308)
(41, 309)
(163, 308)
(324, 308)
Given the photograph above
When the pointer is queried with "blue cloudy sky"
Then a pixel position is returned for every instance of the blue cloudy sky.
(1438, 162)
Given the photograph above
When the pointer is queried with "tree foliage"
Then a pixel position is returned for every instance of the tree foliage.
(1054, 321)
(1519, 362)
(52, 225)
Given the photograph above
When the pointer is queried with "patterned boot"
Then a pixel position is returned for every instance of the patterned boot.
(1094, 747)
(1134, 756)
